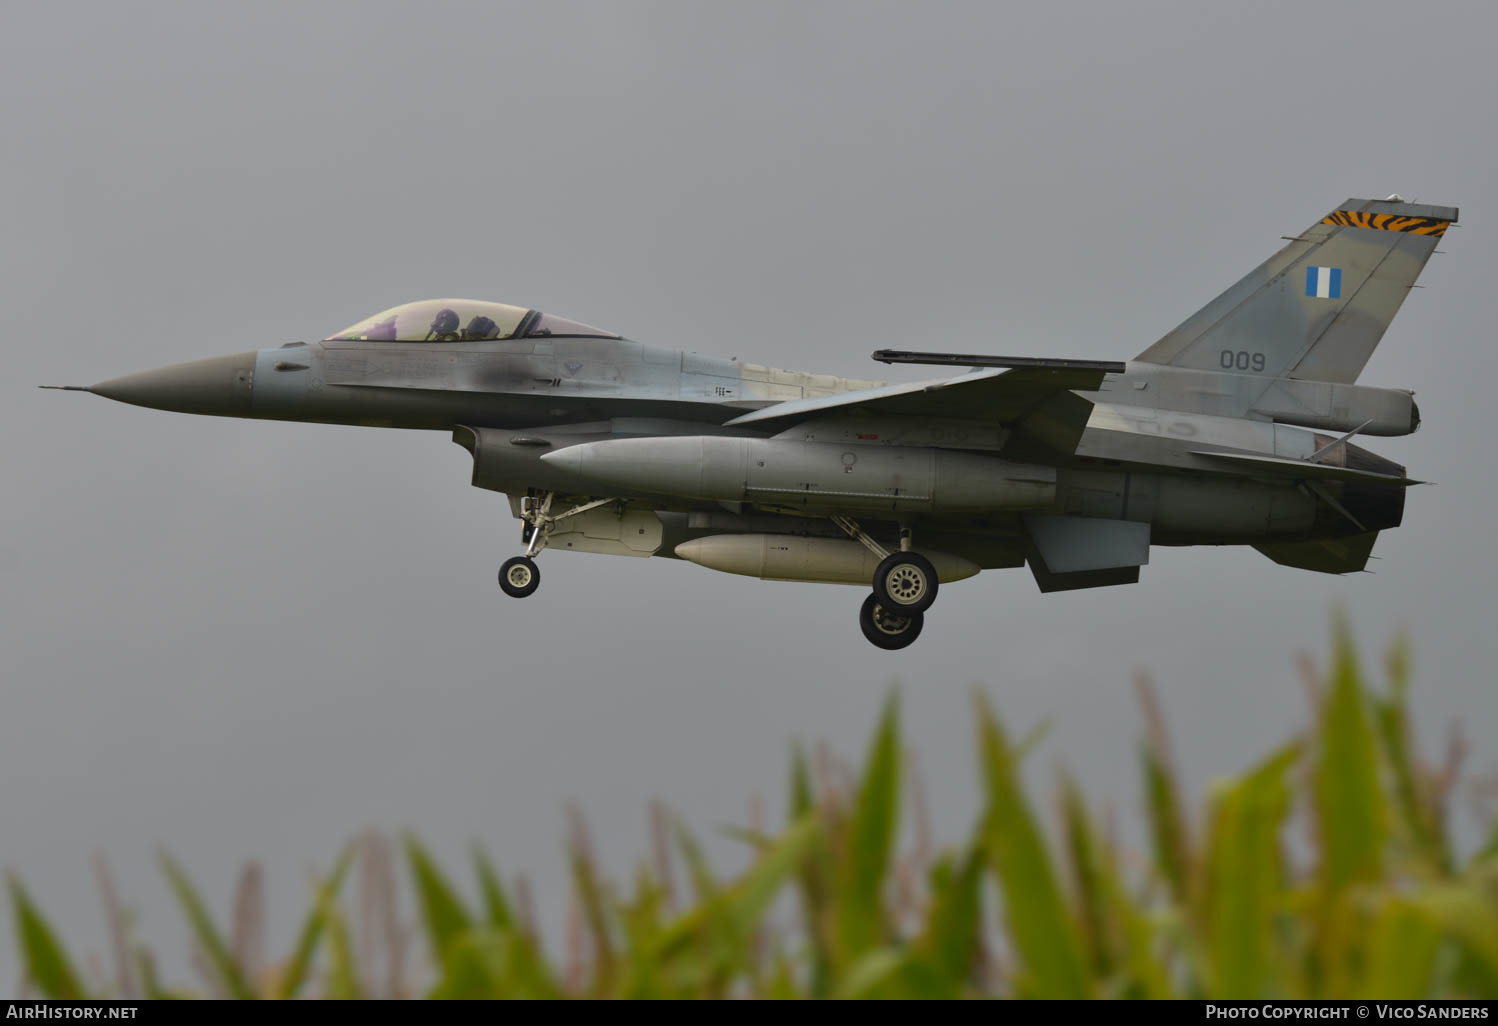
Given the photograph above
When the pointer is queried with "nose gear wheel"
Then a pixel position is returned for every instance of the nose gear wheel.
(519, 576)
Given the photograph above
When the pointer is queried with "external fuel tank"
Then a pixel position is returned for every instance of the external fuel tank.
(783, 472)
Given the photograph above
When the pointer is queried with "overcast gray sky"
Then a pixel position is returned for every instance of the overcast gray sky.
(238, 639)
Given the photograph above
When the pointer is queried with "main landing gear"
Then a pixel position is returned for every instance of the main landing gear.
(889, 630)
(905, 586)
(519, 576)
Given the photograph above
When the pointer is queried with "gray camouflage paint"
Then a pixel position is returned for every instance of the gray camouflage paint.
(1212, 436)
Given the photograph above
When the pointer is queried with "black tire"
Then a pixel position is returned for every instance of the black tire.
(906, 581)
(519, 576)
(888, 631)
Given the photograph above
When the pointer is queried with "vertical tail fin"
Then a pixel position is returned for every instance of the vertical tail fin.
(1317, 308)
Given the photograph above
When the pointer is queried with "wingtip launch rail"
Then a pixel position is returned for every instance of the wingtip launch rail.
(1010, 362)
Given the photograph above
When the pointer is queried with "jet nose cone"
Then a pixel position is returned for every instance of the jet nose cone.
(218, 385)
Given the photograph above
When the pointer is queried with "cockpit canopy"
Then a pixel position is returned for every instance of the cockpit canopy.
(461, 320)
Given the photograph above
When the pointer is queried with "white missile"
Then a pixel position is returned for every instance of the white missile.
(788, 557)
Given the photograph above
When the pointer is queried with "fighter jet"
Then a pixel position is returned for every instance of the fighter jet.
(1235, 428)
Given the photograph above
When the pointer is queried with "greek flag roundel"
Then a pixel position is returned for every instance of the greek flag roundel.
(1324, 282)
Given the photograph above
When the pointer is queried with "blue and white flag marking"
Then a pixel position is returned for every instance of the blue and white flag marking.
(1324, 282)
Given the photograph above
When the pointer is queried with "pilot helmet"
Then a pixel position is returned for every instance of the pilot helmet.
(480, 327)
(445, 323)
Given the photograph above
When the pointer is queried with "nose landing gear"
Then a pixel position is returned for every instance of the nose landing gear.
(905, 587)
(519, 576)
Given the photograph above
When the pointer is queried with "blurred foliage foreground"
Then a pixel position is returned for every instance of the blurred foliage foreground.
(1371, 903)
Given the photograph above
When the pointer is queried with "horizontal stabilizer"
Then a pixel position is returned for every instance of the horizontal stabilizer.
(1275, 466)
(1329, 556)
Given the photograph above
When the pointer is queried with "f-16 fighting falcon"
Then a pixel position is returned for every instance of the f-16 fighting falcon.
(1235, 428)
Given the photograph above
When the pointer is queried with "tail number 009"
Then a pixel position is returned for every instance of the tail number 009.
(1240, 359)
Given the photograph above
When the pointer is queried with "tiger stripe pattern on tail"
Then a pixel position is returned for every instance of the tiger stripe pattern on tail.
(1387, 222)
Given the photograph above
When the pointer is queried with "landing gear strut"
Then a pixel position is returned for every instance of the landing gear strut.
(519, 576)
(905, 587)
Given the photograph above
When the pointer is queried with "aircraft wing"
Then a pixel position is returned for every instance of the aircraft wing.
(1036, 401)
(1326, 556)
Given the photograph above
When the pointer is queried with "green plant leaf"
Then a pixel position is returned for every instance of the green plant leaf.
(591, 896)
(704, 883)
(1166, 830)
(441, 909)
(1167, 822)
(526, 974)
(1467, 913)
(1419, 807)
(956, 916)
(872, 972)
(641, 920)
(300, 963)
(47, 964)
(496, 905)
(1038, 926)
(343, 973)
(1245, 874)
(472, 969)
(1488, 851)
(208, 937)
(1400, 958)
(753, 894)
(866, 855)
(1084, 859)
(488, 964)
(1349, 801)
(801, 797)
(712, 942)
(1143, 974)
(150, 986)
(781, 985)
